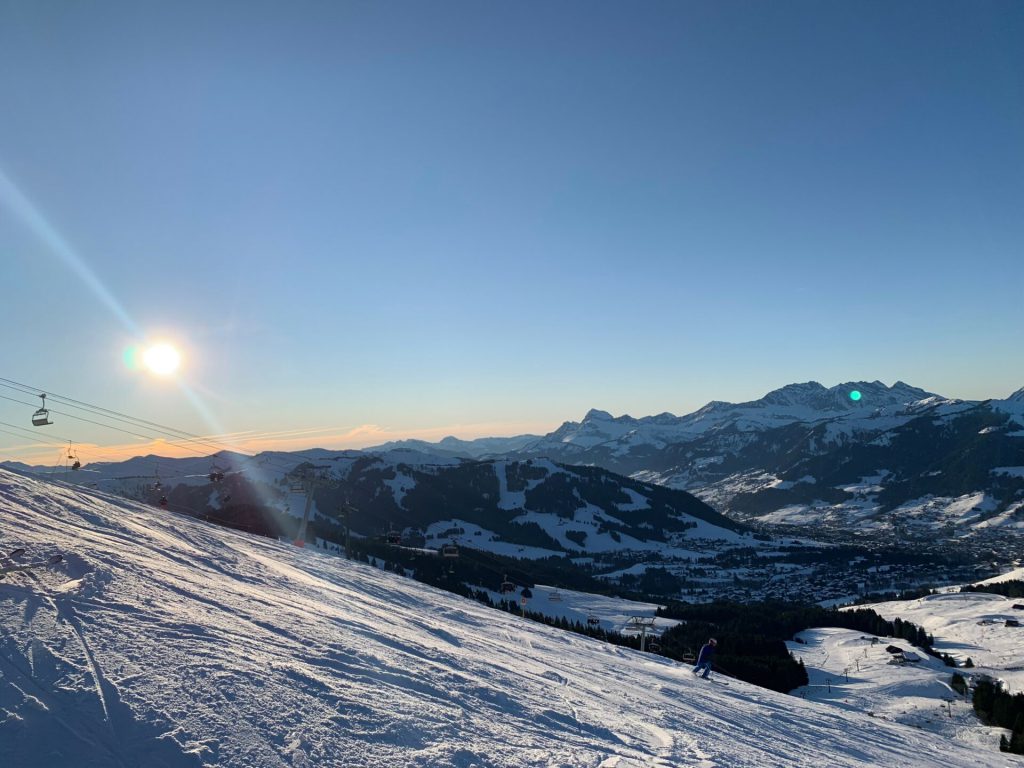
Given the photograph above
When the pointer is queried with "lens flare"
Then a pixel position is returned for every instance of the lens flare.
(161, 359)
(855, 395)
(132, 357)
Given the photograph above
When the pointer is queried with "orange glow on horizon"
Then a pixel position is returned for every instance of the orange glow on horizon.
(253, 442)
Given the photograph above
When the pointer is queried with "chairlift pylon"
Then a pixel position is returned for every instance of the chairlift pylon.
(41, 417)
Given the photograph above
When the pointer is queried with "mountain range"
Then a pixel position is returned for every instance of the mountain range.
(856, 455)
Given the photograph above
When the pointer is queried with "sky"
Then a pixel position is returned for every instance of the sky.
(362, 221)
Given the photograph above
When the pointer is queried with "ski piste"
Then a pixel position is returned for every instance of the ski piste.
(17, 567)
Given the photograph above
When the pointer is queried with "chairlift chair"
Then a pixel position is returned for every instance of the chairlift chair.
(555, 596)
(450, 550)
(41, 417)
(507, 586)
(593, 621)
(73, 458)
(393, 537)
(163, 501)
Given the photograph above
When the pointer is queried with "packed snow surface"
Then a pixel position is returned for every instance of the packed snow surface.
(163, 641)
(855, 671)
(970, 625)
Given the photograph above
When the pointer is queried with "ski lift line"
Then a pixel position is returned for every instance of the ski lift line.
(218, 447)
(99, 410)
(141, 423)
(58, 441)
(57, 463)
(179, 435)
(174, 435)
(168, 438)
(209, 441)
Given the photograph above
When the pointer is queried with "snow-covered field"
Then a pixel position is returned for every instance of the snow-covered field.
(166, 642)
(611, 613)
(970, 625)
(848, 670)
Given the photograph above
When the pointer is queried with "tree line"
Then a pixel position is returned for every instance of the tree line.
(995, 706)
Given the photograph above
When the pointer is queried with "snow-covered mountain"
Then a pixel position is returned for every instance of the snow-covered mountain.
(456, 448)
(855, 455)
(807, 403)
(164, 641)
(527, 509)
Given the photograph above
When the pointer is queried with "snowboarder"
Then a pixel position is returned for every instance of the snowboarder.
(706, 658)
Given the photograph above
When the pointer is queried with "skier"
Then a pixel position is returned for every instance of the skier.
(705, 659)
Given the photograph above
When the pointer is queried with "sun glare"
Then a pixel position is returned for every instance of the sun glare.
(161, 359)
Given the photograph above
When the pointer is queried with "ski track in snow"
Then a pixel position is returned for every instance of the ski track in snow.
(163, 641)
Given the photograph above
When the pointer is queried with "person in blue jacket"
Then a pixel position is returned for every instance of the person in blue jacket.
(706, 658)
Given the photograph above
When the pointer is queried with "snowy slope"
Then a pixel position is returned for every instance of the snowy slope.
(970, 625)
(853, 671)
(165, 642)
(540, 508)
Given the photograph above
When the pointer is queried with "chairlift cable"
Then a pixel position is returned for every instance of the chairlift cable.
(176, 435)
(179, 435)
(168, 437)
(98, 410)
(168, 431)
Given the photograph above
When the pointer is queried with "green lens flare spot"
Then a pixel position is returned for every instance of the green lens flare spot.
(132, 357)
(855, 395)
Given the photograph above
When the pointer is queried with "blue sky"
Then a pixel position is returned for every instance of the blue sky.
(481, 218)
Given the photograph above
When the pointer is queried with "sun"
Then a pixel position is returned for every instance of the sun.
(161, 359)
